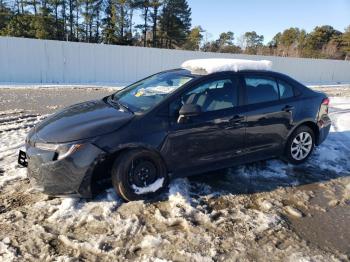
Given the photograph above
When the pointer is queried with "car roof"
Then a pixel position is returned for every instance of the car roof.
(267, 72)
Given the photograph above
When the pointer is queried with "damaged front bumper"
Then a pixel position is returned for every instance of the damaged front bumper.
(69, 176)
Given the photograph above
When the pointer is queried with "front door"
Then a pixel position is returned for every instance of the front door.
(211, 138)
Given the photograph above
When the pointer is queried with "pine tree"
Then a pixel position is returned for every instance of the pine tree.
(123, 21)
(144, 6)
(155, 5)
(175, 23)
(109, 31)
(252, 41)
(5, 14)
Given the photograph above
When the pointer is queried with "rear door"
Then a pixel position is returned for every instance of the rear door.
(211, 138)
(269, 107)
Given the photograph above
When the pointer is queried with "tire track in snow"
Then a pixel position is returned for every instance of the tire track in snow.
(15, 124)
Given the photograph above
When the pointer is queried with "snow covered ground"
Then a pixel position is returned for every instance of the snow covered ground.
(258, 212)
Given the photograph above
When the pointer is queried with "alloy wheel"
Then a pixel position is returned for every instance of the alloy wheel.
(301, 146)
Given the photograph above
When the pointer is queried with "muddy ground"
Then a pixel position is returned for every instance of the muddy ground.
(265, 211)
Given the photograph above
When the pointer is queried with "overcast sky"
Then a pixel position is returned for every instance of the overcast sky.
(267, 17)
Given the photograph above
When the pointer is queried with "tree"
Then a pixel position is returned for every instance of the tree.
(155, 5)
(5, 14)
(72, 5)
(19, 26)
(109, 34)
(318, 38)
(175, 23)
(224, 44)
(210, 46)
(55, 5)
(194, 39)
(252, 41)
(43, 24)
(346, 43)
(144, 5)
(165, 24)
(225, 39)
(124, 33)
(64, 18)
(34, 3)
(289, 43)
(90, 10)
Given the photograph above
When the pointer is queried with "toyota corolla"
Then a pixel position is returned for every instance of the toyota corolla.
(210, 114)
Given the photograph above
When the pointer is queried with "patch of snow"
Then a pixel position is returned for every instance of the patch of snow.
(327, 85)
(343, 122)
(150, 188)
(75, 208)
(12, 176)
(339, 102)
(7, 253)
(66, 208)
(74, 244)
(266, 205)
(293, 212)
(179, 196)
(196, 257)
(150, 241)
(14, 127)
(212, 65)
(265, 221)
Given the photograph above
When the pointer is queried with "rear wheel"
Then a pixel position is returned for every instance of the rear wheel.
(300, 145)
(139, 174)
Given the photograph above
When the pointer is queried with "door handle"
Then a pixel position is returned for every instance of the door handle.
(288, 108)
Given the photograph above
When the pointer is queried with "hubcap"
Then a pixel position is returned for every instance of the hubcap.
(301, 146)
(142, 173)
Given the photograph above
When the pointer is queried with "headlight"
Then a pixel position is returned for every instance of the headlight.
(62, 150)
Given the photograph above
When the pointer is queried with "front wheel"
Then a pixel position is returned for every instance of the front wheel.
(139, 174)
(300, 145)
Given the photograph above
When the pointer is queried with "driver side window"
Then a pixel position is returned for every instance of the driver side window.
(210, 96)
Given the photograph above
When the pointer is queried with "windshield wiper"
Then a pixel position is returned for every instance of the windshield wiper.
(120, 105)
(124, 106)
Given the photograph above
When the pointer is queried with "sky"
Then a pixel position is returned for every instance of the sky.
(267, 17)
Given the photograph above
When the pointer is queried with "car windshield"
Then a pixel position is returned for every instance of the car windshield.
(147, 93)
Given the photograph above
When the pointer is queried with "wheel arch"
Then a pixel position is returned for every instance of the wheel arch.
(103, 169)
(309, 123)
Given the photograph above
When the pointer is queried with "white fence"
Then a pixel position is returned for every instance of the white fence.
(45, 61)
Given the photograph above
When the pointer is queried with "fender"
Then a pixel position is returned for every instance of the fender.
(309, 122)
(128, 146)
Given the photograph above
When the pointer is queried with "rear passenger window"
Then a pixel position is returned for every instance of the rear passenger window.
(261, 89)
(286, 90)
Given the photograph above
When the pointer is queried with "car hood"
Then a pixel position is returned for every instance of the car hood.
(80, 121)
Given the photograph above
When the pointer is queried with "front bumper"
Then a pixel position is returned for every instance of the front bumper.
(68, 176)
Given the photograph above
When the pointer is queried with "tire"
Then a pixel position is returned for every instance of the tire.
(300, 145)
(133, 173)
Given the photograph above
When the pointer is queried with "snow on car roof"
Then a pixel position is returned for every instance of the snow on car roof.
(212, 65)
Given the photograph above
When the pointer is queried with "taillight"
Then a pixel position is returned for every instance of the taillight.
(325, 104)
(325, 101)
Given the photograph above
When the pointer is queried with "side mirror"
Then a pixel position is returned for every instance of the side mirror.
(188, 110)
